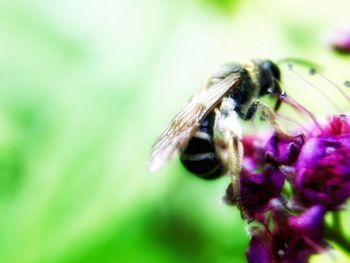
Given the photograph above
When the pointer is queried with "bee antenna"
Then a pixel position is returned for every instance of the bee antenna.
(333, 103)
(303, 62)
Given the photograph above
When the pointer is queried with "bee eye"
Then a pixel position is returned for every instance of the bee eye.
(276, 71)
(269, 77)
(272, 67)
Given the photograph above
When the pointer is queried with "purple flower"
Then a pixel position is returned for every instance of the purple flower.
(323, 172)
(260, 181)
(292, 239)
(309, 224)
(282, 150)
(317, 167)
(336, 125)
(340, 40)
(257, 189)
(260, 248)
(254, 152)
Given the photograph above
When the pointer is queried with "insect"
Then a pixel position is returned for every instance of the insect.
(206, 132)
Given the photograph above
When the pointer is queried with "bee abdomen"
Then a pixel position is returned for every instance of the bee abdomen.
(200, 157)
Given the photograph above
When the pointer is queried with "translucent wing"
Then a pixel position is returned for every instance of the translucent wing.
(181, 129)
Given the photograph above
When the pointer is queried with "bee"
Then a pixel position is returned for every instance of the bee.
(206, 132)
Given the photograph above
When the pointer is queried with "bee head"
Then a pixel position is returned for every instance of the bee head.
(269, 78)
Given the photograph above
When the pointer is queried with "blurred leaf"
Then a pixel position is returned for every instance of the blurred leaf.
(226, 7)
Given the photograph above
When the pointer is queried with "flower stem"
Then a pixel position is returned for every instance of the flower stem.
(334, 233)
(337, 222)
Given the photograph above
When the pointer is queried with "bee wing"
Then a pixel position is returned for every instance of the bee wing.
(184, 125)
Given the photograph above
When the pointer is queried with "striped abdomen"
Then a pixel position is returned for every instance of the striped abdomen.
(199, 157)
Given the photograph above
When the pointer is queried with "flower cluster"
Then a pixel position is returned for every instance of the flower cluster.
(340, 40)
(288, 185)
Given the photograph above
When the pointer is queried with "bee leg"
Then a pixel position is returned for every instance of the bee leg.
(268, 114)
(228, 145)
(234, 165)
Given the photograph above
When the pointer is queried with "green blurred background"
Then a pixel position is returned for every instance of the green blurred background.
(86, 87)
